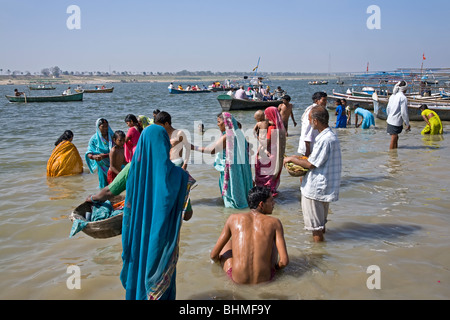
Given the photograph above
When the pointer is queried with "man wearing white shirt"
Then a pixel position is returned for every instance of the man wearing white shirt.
(397, 113)
(240, 93)
(308, 133)
(321, 184)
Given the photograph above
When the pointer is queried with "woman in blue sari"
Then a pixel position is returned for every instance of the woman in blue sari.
(232, 161)
(156, 196)
(97, 154)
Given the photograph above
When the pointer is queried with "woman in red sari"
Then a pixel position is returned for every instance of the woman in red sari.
(132, 138)
(269, 161)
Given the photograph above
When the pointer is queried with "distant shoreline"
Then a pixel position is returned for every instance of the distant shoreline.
(25, 80)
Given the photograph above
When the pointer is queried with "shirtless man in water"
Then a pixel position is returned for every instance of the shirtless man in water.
(258, 240)
(178, 140)
(286, 111)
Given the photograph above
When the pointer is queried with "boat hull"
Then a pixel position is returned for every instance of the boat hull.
(228, 103)
(176, 91)
(61, 98)
(364, 102)
(414, 112)
(109, 90)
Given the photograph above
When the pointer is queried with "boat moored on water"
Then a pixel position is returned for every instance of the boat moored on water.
(176, 91)
(104, 90)
(228, 103)
(414, 113)
(59, 98)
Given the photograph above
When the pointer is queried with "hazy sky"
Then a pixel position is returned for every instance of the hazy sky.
(288, 35)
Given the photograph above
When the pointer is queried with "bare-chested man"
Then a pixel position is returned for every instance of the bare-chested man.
(286, 111)
(251, 243)
(178, 140)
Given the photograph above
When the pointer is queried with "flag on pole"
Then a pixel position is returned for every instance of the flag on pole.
(257, 65)
(423, 57)
(367, 70)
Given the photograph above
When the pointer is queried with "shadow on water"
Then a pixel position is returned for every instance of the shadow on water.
(358, 231)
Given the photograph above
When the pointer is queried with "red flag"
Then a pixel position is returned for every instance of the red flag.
(367, 67)
(423, 57)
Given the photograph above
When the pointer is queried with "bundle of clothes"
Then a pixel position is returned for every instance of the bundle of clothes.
(100, 211)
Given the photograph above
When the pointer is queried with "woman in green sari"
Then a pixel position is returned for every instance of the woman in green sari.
(232, 161)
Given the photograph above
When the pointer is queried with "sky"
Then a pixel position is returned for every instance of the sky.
(318, 36)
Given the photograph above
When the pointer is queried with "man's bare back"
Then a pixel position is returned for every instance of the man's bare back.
(250, 244)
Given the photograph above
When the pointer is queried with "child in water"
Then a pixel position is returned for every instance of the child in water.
(261, 123)
(116, 155)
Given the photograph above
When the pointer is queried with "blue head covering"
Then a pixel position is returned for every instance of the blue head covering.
(98, 145)
(156, 191)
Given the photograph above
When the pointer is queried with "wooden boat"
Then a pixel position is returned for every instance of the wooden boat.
(229, 103)
(102, 229)
(364, 102)
(176, 91)
(107, 90)
(60, 98)
(219, 89)
(414, 112)
(42, 87)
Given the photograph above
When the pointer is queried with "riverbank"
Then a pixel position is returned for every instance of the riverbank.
(25, 80)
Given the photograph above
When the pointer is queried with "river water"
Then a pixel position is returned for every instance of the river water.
(393, 213)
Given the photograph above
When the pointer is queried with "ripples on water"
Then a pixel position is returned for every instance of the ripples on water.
(393, 210)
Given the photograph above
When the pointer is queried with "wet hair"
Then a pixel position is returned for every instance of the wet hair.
(318, 95)
(67, 135)
(163, 117)
(286, 97)
(256, 195)
(118, 134)
(320, 114)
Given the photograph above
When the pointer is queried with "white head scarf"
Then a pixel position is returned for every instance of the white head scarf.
(398, 88)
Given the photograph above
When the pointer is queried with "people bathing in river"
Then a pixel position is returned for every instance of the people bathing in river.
(341, 115)
(286, 110)
(132, 137)
(97, 154)
(232, 161)
(269, 161)
(116, 155)
(367, 120)
(320, 186)
(251, 246)
(434, 124)
(308, 133)
(65, 159)
(397, 113)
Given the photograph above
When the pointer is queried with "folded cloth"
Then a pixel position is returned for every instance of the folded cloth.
(100, 211)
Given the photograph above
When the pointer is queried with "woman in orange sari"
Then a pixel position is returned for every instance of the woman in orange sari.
(65, 159)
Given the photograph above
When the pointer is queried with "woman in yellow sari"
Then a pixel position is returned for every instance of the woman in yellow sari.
(65, 159)
(434, 124)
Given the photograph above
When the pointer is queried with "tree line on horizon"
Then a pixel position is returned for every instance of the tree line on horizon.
(58, 72)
